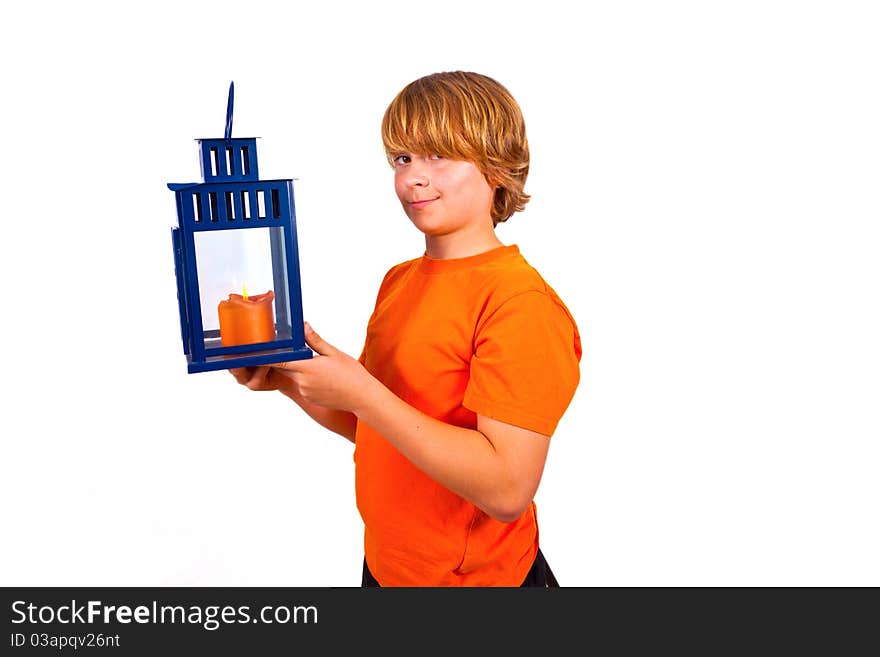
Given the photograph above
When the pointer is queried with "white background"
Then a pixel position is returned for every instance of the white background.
(705, 200)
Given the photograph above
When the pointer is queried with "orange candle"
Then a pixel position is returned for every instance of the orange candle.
(246, 319)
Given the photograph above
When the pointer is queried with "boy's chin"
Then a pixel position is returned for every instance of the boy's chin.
(430, 229)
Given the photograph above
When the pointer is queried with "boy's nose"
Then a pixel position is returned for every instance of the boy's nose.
(417, 176)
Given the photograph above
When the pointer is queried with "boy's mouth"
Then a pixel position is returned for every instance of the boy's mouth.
(421, 203)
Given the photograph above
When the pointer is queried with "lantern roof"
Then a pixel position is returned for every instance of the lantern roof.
(225, 159)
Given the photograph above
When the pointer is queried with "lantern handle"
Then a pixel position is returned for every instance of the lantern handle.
(229, 113)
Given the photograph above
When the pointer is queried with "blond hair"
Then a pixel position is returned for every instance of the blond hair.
(464, 116)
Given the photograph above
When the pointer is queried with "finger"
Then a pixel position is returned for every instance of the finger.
(316, 342)
(257, 378)
(241, 374)
(292, 367)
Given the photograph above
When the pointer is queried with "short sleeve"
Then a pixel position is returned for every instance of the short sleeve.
(525, 366)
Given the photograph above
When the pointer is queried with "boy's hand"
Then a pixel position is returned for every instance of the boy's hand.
(261, 377)
(332, 379)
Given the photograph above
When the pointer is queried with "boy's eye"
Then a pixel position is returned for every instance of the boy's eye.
(403, 158)
(436, 157)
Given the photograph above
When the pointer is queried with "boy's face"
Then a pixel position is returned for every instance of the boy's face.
(442, 196)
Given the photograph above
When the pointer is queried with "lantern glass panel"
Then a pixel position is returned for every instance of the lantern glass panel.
(228, 261)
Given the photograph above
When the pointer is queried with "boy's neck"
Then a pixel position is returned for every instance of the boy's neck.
(457, 245)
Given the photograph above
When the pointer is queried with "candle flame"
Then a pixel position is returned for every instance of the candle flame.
(244, 292)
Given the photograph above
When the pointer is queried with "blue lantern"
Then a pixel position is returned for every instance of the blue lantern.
(236, 261)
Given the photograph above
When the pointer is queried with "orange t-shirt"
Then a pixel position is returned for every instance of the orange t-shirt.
(456, 338)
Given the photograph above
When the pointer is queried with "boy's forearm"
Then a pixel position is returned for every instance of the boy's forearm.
(337, 421)
(463, 460)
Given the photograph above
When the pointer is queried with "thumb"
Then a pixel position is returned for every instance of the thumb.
(316, 342)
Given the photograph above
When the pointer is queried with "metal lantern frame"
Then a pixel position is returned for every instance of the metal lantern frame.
(232, 197)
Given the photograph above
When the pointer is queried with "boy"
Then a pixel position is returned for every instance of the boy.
(469, 362)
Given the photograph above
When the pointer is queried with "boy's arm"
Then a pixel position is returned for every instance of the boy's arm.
(496, 466)
(337, 421)
(266, 378)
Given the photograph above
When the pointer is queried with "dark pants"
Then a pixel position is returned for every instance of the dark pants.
(539, 574)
